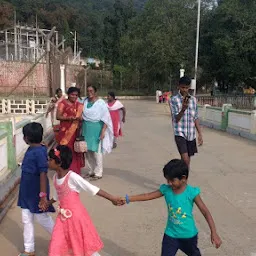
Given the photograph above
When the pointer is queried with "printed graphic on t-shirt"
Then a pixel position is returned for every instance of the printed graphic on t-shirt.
(176, 215)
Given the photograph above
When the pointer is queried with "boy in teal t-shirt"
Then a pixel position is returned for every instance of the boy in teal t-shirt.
(181, 232)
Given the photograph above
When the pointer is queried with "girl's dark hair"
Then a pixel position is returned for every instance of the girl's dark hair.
(112, 94)
(73, 89)
(61, 155)
(176, 168)
(94, 87)
(58, 90)
(33, 132)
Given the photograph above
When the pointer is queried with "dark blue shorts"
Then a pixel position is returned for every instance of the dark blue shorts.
(170, 246)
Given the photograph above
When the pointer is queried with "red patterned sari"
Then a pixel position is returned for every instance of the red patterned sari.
(69, 131)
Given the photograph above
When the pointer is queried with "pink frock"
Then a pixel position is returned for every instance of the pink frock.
(74, 233)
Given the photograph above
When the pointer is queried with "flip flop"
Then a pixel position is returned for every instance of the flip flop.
(86, 176)
(27, 254)
(95, 178)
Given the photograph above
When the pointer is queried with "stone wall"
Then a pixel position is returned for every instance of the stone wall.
(11, 72)
(75, 74)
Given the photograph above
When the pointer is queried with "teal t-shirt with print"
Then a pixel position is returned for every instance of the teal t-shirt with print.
(180, 223)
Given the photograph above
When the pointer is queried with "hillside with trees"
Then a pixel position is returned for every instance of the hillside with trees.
(145, 43)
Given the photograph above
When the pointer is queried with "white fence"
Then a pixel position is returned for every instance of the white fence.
(12, 145)
(23, 106)
(234, 121)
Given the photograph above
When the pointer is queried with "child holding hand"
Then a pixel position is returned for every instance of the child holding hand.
(74, 232)
(181, 232)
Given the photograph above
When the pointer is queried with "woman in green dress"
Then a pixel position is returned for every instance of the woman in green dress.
(97, 131)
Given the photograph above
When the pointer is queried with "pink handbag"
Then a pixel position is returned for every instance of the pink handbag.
(80, 145)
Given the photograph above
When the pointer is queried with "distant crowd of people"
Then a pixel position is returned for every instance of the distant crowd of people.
(162, 97)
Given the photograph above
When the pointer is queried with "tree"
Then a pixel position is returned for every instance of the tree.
(229, 43)
(6, 14)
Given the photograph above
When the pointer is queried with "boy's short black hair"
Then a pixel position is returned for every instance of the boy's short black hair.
(64, 158)
(33, 132)
(185, 80)
(176, 168)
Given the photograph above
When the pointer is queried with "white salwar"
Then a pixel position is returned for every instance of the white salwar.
(28, 217)
(99, 112)
(158, 94)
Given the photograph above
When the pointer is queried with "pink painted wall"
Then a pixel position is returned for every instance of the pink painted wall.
(12, 72)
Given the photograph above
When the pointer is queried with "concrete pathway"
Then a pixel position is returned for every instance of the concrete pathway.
(224, 169)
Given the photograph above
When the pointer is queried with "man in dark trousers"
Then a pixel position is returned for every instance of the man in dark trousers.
(185, 120)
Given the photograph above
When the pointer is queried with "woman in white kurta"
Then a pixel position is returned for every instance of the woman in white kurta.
(97, 131)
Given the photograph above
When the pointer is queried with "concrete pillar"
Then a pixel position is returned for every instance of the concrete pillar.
(4, 106)
(27, 107)
(224, 120)
(33, 109)
(253, 122)
(62, 78)
(11, 157)
(8, 107)
(204, 111)
(182, 72)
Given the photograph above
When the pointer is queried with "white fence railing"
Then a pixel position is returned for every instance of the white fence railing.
(235, 121)
(23, 106)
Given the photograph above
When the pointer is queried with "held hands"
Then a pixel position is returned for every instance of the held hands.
(118, 201)
(216, 241)
(43, 204)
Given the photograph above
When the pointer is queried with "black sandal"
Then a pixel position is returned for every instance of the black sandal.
(87, 176)
(94, 177)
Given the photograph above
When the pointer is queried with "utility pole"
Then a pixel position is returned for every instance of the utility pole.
(6, 45)
(197, 43)
(15, 37)
(48, 59)
(75, 45)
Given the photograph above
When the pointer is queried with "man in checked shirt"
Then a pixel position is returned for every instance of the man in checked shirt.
(185, 121)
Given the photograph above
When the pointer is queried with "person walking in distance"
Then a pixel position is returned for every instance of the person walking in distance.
(118, 113)
(185, 121)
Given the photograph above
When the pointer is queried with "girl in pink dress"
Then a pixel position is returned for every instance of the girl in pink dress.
(74, 233)
(118, 114)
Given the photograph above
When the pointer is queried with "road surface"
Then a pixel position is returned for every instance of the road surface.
(224, 169)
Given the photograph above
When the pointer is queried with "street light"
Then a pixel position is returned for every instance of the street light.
(197, 43)
(75, 42)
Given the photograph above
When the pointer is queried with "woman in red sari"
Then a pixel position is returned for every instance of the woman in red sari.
(69, 113)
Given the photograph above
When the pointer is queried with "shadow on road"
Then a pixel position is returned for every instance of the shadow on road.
(112, 249)
(133, 178)
(13, 233)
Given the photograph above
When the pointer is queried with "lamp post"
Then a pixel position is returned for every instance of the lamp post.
(197, 43)
(75, 42)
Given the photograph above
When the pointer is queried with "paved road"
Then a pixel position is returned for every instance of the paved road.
(224, 169)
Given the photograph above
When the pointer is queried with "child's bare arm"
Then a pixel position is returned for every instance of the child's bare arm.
(146, 197)
(43, 189)
(115, 200)
(43, 182)
(215, 239)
